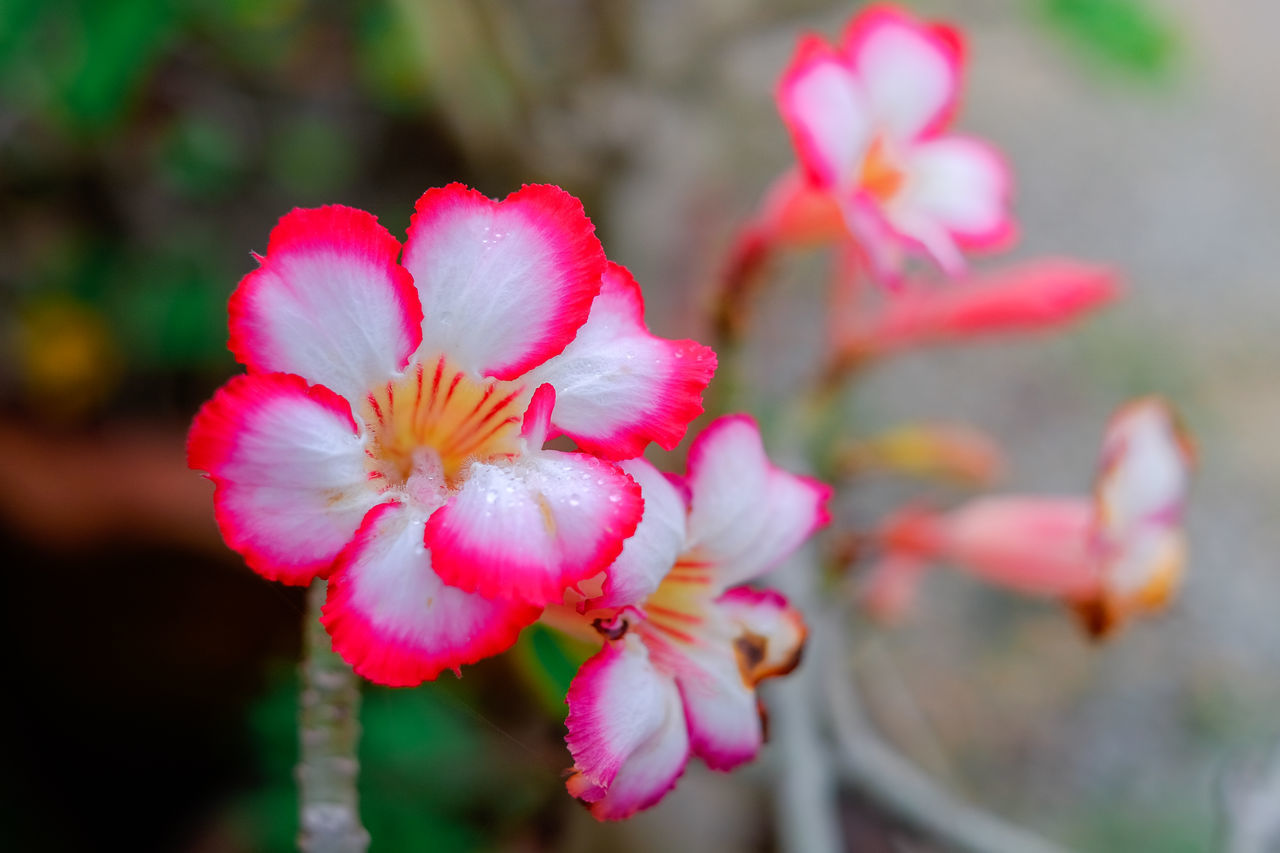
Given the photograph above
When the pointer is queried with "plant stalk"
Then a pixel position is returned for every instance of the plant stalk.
(329, 733)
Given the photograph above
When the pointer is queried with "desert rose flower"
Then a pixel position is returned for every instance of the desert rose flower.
(1139, 501)
(388, 433)
(868, 118)
(685, 642)
(1116, 555)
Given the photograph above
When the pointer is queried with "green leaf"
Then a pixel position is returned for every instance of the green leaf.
(1126, 34)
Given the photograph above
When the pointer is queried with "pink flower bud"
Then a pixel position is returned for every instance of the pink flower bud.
(1037, 295)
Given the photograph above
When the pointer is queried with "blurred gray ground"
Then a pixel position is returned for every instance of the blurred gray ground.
(1174, 182)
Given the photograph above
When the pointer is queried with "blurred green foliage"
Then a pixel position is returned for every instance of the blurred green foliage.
(548, 661)
(146, 146)
(80, 61)
(1129, 35)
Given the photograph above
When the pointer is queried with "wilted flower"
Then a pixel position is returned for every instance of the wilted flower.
(1111, 557)
(685, 644)
(389, 430)
(1139, 501)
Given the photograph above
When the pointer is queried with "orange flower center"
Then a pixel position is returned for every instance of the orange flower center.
(881, 176)
(679, 603)
(436, 420)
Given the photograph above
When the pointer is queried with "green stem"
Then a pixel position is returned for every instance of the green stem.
(328, 732)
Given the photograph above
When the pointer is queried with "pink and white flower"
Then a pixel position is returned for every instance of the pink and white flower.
(685, 642)
(1139, 501)
(389, 431)
(1112, 557)
(868, 118)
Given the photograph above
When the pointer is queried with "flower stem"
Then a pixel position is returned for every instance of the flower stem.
(329, 732)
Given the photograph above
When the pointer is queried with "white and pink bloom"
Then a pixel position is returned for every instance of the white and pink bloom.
(868, 118)
(685, 642)
(389, 432)
(1139, 500)
(1110, 557)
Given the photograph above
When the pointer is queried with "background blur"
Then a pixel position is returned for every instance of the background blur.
(147, 146)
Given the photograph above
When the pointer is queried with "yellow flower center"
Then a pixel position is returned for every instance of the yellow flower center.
(881, 176)
(438, 419)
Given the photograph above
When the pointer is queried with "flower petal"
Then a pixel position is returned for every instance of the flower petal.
(827, 114)
(1142, 578)
(537, 417)
(1146, 461)
(534, 526)
(960, 185)
(329, 303)
(395, 621)
(1138, 507)
(720, 707)
(648, 555)
(626, 732)
(910, 70)
(770, 633)
(1037, 545)
(504, 285)
(289, 467)
(746, 515)
(619, 387)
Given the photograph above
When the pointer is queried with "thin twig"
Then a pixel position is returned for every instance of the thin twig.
(871, 766)
(805, 798)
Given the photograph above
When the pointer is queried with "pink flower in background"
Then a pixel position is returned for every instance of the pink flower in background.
(868, 118)
(685, 643)
(388, 434)
(1111, 557)
(1034, 296)
(1139, 501)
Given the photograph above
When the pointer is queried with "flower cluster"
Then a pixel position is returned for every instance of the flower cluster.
(389, 432)
(389, 436)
